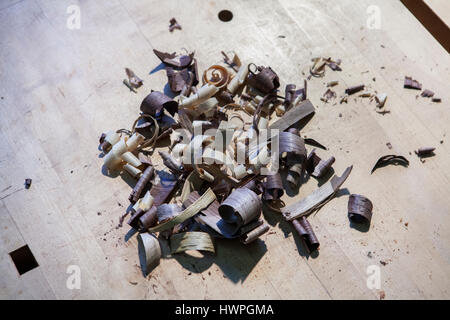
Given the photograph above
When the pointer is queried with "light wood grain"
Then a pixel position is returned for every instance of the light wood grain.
(61, 88)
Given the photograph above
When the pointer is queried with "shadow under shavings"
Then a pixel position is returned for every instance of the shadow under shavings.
(235, 259)
(302, 122)
(290, 190)
(129, 180)
(130, 234)
(110, 173)
(274, 218)
(161, 143)
(168, 92)
(159, 67)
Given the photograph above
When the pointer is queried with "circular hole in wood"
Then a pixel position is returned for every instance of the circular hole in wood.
(225, 15)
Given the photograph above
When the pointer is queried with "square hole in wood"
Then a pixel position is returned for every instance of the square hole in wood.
(23, 259)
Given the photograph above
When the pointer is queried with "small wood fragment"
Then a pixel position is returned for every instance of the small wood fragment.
(355, 89)
(28, 183)
(390, 159)
(426, 151)
(174, 25)
(410, 83)
(359, 209)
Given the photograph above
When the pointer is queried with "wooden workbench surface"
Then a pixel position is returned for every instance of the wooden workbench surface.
(61, 88)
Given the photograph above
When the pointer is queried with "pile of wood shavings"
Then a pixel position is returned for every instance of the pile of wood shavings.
(235, 143)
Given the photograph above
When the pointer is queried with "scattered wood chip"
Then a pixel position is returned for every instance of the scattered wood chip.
(353, 90)
(359, 209)
(28, 183)
(174, 25)
(427, 93)
(390, 159)
(133, 79)
(410, 83)
(425, 151)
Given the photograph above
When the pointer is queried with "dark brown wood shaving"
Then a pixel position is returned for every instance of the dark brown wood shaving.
(133, 79)
(293, 146)
(436, 99)
(426, 151)
(266, 80)
(306, 233)
(179, 80)
(317, 167)
(334, 65)
(147, 220)
(224, 97)
(161, 193)
(273, 187)
(359, 209)
(143, 181)
(289, 95)
(390, 159)
(156, 101)
(312, 161)
(427, 93)
(410, 83)
(255, 185)
(355, 89)
(172, 60)
(174, 25)
(314, 143)
(105, 146)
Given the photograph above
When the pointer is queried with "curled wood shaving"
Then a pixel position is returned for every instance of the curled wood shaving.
(359, 208)
(192, 240)
(316, 199)
(427, 93)
(156, 101)
(216, 75)
(390, 159)
(410, 83)
(306, 232)
(172, 60)
(174, 25)
(425, 151)
(150, 251)
(265, 80)
(255, 233)
(204, 201)
(241, 207)
(133, 79)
